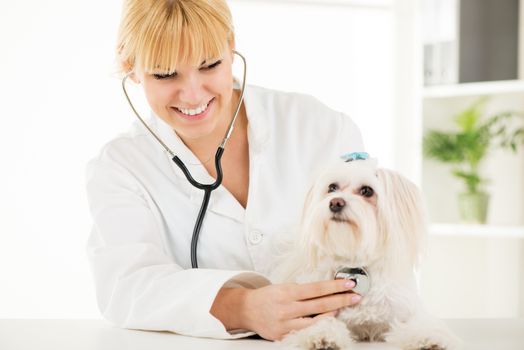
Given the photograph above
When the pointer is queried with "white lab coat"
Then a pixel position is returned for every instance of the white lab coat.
(144, 211)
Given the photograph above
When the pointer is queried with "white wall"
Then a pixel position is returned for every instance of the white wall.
(60, 102)
(341, 54)
(56, 91)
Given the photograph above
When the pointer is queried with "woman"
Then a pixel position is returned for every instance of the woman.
(181, 52)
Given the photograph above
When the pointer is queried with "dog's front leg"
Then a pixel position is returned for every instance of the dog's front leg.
(328, 334)
(423, 333)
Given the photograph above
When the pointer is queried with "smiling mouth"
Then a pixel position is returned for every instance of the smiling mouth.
(188, 112)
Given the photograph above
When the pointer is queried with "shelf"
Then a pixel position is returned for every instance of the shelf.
(477, 230)
(474, 89)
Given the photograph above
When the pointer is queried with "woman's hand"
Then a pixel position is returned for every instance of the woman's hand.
(275, 310)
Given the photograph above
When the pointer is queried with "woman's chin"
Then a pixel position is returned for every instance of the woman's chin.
(197, 131)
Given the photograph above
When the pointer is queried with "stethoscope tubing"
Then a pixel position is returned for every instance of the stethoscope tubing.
(207, 195)
(207, 188)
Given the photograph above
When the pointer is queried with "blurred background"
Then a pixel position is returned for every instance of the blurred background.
(401, 69)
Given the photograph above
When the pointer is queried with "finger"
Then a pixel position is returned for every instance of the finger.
(319, 289)
(324, 304)
(326, 314)
(303, 322)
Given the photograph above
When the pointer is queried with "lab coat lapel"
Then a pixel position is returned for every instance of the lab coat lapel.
(173, 141)
(222, 202)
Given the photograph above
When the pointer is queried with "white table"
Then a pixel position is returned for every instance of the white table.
(493, 334)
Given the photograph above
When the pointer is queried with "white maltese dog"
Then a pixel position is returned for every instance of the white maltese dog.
(371, 220)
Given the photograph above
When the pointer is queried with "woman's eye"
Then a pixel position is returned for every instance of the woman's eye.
(366, 191)
(161, 76)
(212, 65)
(332, 188)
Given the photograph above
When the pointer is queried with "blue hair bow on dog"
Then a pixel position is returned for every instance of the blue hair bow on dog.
(348, 157)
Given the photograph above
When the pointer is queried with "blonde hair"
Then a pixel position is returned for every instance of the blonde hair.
(155, 35)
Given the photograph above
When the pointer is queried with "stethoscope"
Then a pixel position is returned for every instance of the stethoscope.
(359, 275)
(208, 188)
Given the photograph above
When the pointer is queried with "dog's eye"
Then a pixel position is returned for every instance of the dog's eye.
(332, 188)
(366, 191)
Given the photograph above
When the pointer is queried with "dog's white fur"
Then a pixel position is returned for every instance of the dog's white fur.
(383, 233)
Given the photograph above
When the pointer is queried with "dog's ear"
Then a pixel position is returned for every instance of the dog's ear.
(403, 215)
(306, 240)
(307, 203)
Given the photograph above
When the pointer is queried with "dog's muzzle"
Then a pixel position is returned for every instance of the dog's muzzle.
(359, 275)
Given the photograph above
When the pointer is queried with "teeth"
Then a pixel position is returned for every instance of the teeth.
(192, 112)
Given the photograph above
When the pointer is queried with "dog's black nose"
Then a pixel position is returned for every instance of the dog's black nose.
(336, 205)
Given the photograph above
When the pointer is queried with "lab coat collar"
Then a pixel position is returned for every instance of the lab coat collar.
(222, 202)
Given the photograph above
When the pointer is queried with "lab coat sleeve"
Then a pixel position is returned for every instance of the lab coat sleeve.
(350, 138)
(138, 284)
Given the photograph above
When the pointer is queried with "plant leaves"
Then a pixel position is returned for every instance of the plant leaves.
(468, 146)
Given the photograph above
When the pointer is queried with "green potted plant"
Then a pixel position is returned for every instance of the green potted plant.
(466, 148)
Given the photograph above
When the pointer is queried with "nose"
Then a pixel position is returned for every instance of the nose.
(336, 205)
(191, 91)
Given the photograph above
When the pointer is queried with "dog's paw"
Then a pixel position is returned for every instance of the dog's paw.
(432, 347)
(324, 344)
(423, 338)
(326, 334)
(428, 343)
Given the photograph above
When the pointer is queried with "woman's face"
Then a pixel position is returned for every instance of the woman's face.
(194, 101)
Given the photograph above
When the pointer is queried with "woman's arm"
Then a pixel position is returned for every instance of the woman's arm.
(138, 283)
(275, 310)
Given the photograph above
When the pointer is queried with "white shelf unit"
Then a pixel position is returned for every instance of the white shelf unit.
(504, 170)
(475, 89)
(473, 260)
(488, 231)
(468, 271)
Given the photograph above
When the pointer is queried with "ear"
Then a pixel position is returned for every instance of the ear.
(403, 214)
(306, 207)
(232, 44)
(305, 244)
(134, 77)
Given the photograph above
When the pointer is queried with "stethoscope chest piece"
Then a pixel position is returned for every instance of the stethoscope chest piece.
(357, 274)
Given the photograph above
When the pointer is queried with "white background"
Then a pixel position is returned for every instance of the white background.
(61, 101)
